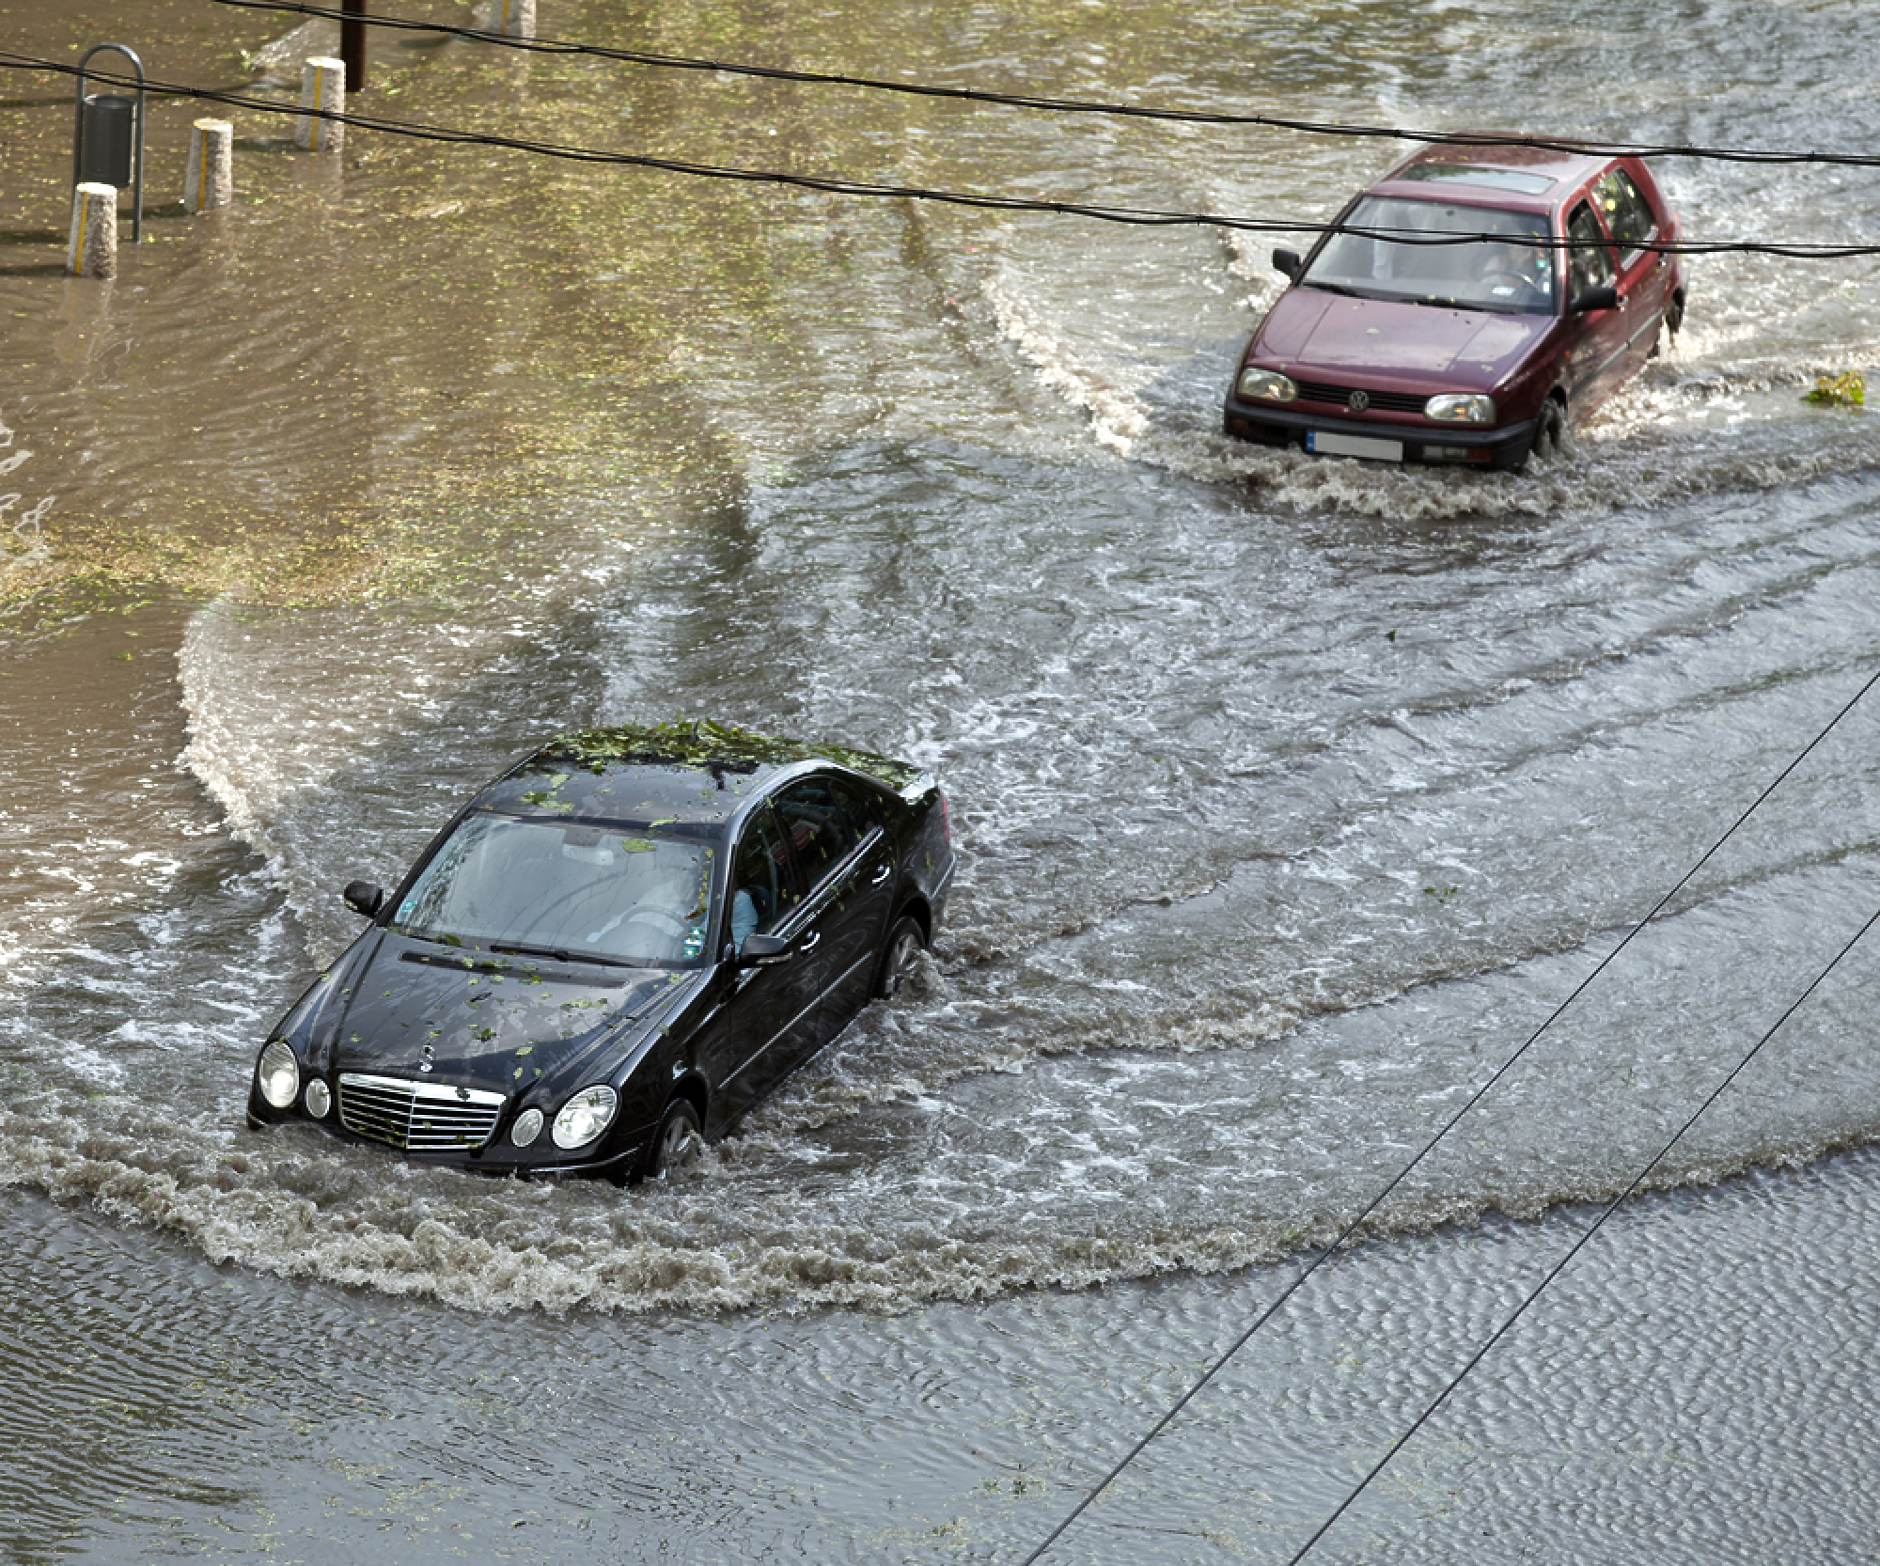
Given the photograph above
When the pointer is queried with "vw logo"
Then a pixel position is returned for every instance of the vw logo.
(1358, 401)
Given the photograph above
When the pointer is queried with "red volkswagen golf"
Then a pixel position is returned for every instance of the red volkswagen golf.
(1465, 309)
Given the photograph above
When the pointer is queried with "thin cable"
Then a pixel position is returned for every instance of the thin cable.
(1141, 217)
(1053, 105)
(1110, 214)
(1573, 1251)
(1449, 1125)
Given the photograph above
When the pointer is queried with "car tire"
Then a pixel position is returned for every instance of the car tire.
(1550, 430)
(898, 957)
(1668, 325)
(677, 1143)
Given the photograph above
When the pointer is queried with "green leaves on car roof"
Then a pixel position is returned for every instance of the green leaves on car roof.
(699, 742)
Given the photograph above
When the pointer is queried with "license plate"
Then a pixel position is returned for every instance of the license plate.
(1333, 445)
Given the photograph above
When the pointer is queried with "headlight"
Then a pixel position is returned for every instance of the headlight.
(278, 1074)
(585, 1116)
(527, 1128)
(1461, 408)
(1265, 386)
(318, 1100)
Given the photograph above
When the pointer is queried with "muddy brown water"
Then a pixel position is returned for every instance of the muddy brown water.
(1294, 797)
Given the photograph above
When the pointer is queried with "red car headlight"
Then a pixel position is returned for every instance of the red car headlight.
(1461, 408)
(1265, 386)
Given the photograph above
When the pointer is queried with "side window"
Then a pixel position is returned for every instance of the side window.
(864, 809)
(763, 889)
(1590, 262)
(1628, 216)
(824, 822)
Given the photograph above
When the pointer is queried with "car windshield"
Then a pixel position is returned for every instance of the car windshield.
(565, 888)
(1395, 256)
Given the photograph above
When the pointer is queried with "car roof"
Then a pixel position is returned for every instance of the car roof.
(1509, 174)
(680, 774)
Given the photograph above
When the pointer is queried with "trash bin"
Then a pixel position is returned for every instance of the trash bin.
(107, 139)
(108, 135)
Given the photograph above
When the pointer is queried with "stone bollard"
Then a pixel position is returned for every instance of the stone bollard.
(93, 248)
(515, 18)
(323, 90)
(211, 178)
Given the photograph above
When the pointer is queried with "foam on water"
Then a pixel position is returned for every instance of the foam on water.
(1291, 793)
(1678, 430)
(1293, 798)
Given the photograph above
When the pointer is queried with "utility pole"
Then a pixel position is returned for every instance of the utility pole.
(352, 43)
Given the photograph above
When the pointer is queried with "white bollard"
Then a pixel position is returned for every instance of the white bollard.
(515, 18)
(323, 90)
(211, 178)
(93, 248)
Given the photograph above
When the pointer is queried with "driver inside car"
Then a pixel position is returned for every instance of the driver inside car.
(1510, 274)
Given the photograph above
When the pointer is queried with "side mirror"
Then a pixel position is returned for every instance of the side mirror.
(1287, 261)
(764, 951)
(363, 897)
(1603, 297)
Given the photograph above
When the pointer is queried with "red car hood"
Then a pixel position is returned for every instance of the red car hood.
(1393, 344)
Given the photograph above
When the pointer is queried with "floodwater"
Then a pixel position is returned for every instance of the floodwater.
(1296, 799)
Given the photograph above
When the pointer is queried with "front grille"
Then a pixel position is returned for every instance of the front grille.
(420, 1117)
(1382, 401)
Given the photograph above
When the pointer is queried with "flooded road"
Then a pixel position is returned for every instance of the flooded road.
(1295, 799)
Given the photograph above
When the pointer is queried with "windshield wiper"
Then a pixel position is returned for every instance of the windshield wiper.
(560, 954)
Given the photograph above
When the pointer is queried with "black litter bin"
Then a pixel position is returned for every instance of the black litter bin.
(108, 135)
(107, 140)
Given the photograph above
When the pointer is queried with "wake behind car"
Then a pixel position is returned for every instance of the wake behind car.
(615, 948)
(1465, 309)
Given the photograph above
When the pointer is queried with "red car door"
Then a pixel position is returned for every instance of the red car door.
(1648, 278)
(1602, 354)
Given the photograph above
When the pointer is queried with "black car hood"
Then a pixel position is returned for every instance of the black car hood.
(478, 1019)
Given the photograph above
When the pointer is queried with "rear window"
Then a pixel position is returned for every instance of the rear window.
(1473, 174)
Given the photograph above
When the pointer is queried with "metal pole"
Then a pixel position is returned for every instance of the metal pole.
(135, 171)
(352, 43)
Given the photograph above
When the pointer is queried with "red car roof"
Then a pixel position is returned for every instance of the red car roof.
(1504, 174)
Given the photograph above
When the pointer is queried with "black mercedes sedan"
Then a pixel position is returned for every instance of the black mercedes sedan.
(614, 950)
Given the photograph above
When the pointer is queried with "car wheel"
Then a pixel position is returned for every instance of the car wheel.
(1550, 431)
(898, 958)
(677, 1143)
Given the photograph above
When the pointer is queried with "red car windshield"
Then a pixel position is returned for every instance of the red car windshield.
(1423, 250)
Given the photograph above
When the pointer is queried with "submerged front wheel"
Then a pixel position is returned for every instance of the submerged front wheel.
(899, 956)
(678, 1142)
(1550, 433)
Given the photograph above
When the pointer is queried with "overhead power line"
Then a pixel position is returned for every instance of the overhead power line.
(1324, 1254)
(1051, 105)
(1137, 216)
(830, 185)
(1580, 1244)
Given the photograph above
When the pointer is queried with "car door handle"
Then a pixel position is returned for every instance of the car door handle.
(882, 874)
(810, 940)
